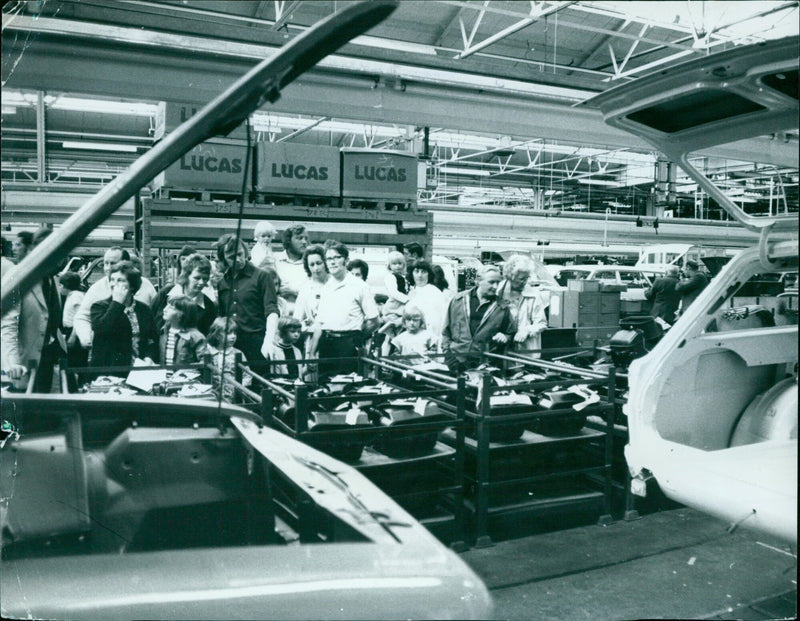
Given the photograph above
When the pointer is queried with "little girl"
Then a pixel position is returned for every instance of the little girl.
(289, 331)
(181, 342)
(397, 290)
(220, 341)
(415, 339)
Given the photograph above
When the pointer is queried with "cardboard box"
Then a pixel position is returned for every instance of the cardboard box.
(382, 175)
(209, 166)
(302, 169)
(583, 285)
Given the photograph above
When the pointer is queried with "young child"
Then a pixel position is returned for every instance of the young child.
(397, 290)
(181, 342)
(220, 344)
(289, 331)
(415, 339)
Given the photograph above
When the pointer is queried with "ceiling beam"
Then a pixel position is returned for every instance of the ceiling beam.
(151, 73)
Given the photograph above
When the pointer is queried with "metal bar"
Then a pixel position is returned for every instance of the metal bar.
(550, 365)
(495, 37)
(41, 155)
(482, 475)
(301, 409)
(303, 130)
(459, 479)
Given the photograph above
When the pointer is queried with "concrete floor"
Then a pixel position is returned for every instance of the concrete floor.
(677, 564)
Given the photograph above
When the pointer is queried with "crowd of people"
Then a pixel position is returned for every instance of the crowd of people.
(309, 302)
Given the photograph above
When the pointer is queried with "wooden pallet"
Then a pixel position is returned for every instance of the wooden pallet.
(380, 204)
(298, 200)
(197, 195)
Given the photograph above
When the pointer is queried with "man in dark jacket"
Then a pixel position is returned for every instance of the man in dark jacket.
(663, 295)
(691, 286)
(476, 321)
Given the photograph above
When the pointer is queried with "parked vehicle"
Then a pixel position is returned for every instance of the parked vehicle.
(712, 410)
(630, 281)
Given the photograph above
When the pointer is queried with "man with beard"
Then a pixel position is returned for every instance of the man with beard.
(476, 322)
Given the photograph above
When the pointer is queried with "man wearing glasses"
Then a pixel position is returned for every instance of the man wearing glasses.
(347, 311)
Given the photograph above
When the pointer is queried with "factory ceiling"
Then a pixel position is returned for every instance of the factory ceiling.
(485, 91)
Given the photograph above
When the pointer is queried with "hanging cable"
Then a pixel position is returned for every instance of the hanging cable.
(237, 243)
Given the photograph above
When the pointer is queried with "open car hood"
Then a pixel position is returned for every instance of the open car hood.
(380, 562)
(741, 93)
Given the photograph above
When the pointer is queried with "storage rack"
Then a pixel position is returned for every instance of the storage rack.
(437, 478)
(492, 469)
(168, 223)
(70, 377)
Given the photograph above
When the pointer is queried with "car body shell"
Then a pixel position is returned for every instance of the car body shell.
(690, 396)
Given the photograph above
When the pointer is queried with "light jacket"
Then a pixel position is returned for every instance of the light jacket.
(529, 315)
(24, 328)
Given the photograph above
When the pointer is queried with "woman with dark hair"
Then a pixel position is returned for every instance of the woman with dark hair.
(358, 268)
(439, 279)
(427, 297)
(307, 304)
(192, 279)
(70, 285)
(123, 327)
(21, 245)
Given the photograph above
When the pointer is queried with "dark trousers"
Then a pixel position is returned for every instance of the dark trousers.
(339, 345)
(51, 354)
(250, 343)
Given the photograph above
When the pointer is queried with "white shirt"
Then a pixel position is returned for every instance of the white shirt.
(82, 324)
(307, 304)
(71, 306)
(261, 256)
(292, 273)
(345, 304)
(433, 304)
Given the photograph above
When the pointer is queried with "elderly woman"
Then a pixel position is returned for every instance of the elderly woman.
(527, 306)
(427, 297)
(192, 279)
(123, 327)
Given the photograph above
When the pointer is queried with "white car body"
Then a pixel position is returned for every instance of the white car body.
(712, 410)
(635, 280)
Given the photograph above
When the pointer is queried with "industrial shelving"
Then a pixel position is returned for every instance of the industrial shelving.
(429, 483)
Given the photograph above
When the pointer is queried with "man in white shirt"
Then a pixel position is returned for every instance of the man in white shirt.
(82, 324)
(289, 262)
(347, 312)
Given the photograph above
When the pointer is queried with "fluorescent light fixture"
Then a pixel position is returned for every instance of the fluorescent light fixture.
(611, 184)
(274, 123)
(12, 97)
(100, 146)
(104, 106)
(453, 170)
(395, 45)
